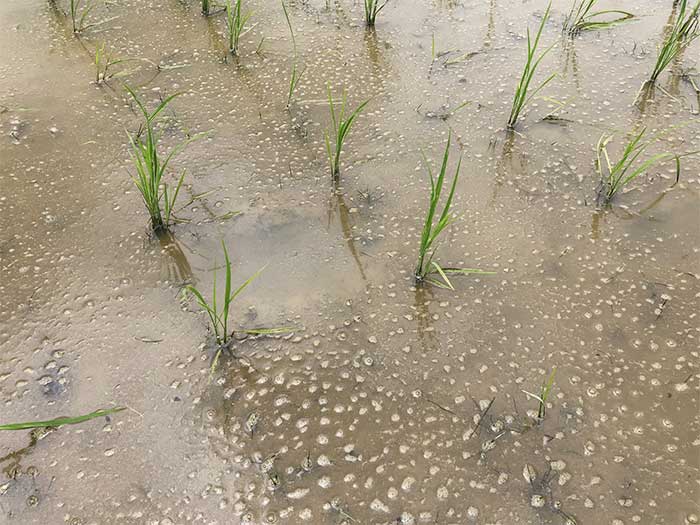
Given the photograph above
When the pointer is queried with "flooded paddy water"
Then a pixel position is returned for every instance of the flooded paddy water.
(389, 403)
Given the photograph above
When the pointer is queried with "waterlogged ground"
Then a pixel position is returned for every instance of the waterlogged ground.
(387, 404)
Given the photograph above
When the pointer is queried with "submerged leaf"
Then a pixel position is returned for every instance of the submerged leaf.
(60, 421)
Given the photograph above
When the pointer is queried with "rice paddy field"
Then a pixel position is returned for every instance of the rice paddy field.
(509, 338)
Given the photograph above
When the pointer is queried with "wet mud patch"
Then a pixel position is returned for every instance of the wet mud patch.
(389, 404)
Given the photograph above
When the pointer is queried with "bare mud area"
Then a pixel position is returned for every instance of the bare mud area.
(387, 401)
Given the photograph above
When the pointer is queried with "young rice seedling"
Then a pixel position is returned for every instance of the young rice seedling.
(372, 8)
(427, 269)
(235, 22)
(218, 314)
(296, 75)
(615, 176)
(685, 29)
(151, 166)
(582, 17)
(521, 98)
(341, 127)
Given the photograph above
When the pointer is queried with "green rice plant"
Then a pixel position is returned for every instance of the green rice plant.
(150, 166)
(294, 79)
(342, 123)
(685, 29)
(372, 8)
(219, 314)
(545, 390)
(427, 269)
(521, 98)
(205, 7)
(60, 421)
(79, 13)
(583, 18)
(259, 50)
(104, 61)
(235, 22)
(626, 169)
(296, 75)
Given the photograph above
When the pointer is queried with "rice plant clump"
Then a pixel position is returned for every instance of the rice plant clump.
(218, 314)
(342, 122)
(151, 166)
(582, 17)
(685, 29)
(236, 22)
(615, 176)
(205, 7)
(372, 8)
(427, 269)
(521, 98)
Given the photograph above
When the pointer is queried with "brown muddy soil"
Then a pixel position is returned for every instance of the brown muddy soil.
(388, 404)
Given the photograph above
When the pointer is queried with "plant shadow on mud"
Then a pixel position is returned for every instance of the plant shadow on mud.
(337, 206)
(175, 266)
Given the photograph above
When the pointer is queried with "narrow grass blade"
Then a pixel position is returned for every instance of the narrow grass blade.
(447, 282)
(60, 421)
(267, 331)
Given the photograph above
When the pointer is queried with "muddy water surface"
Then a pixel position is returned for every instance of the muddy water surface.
(387, 404)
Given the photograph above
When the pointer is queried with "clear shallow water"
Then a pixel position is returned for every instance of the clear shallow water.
(369, 411)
